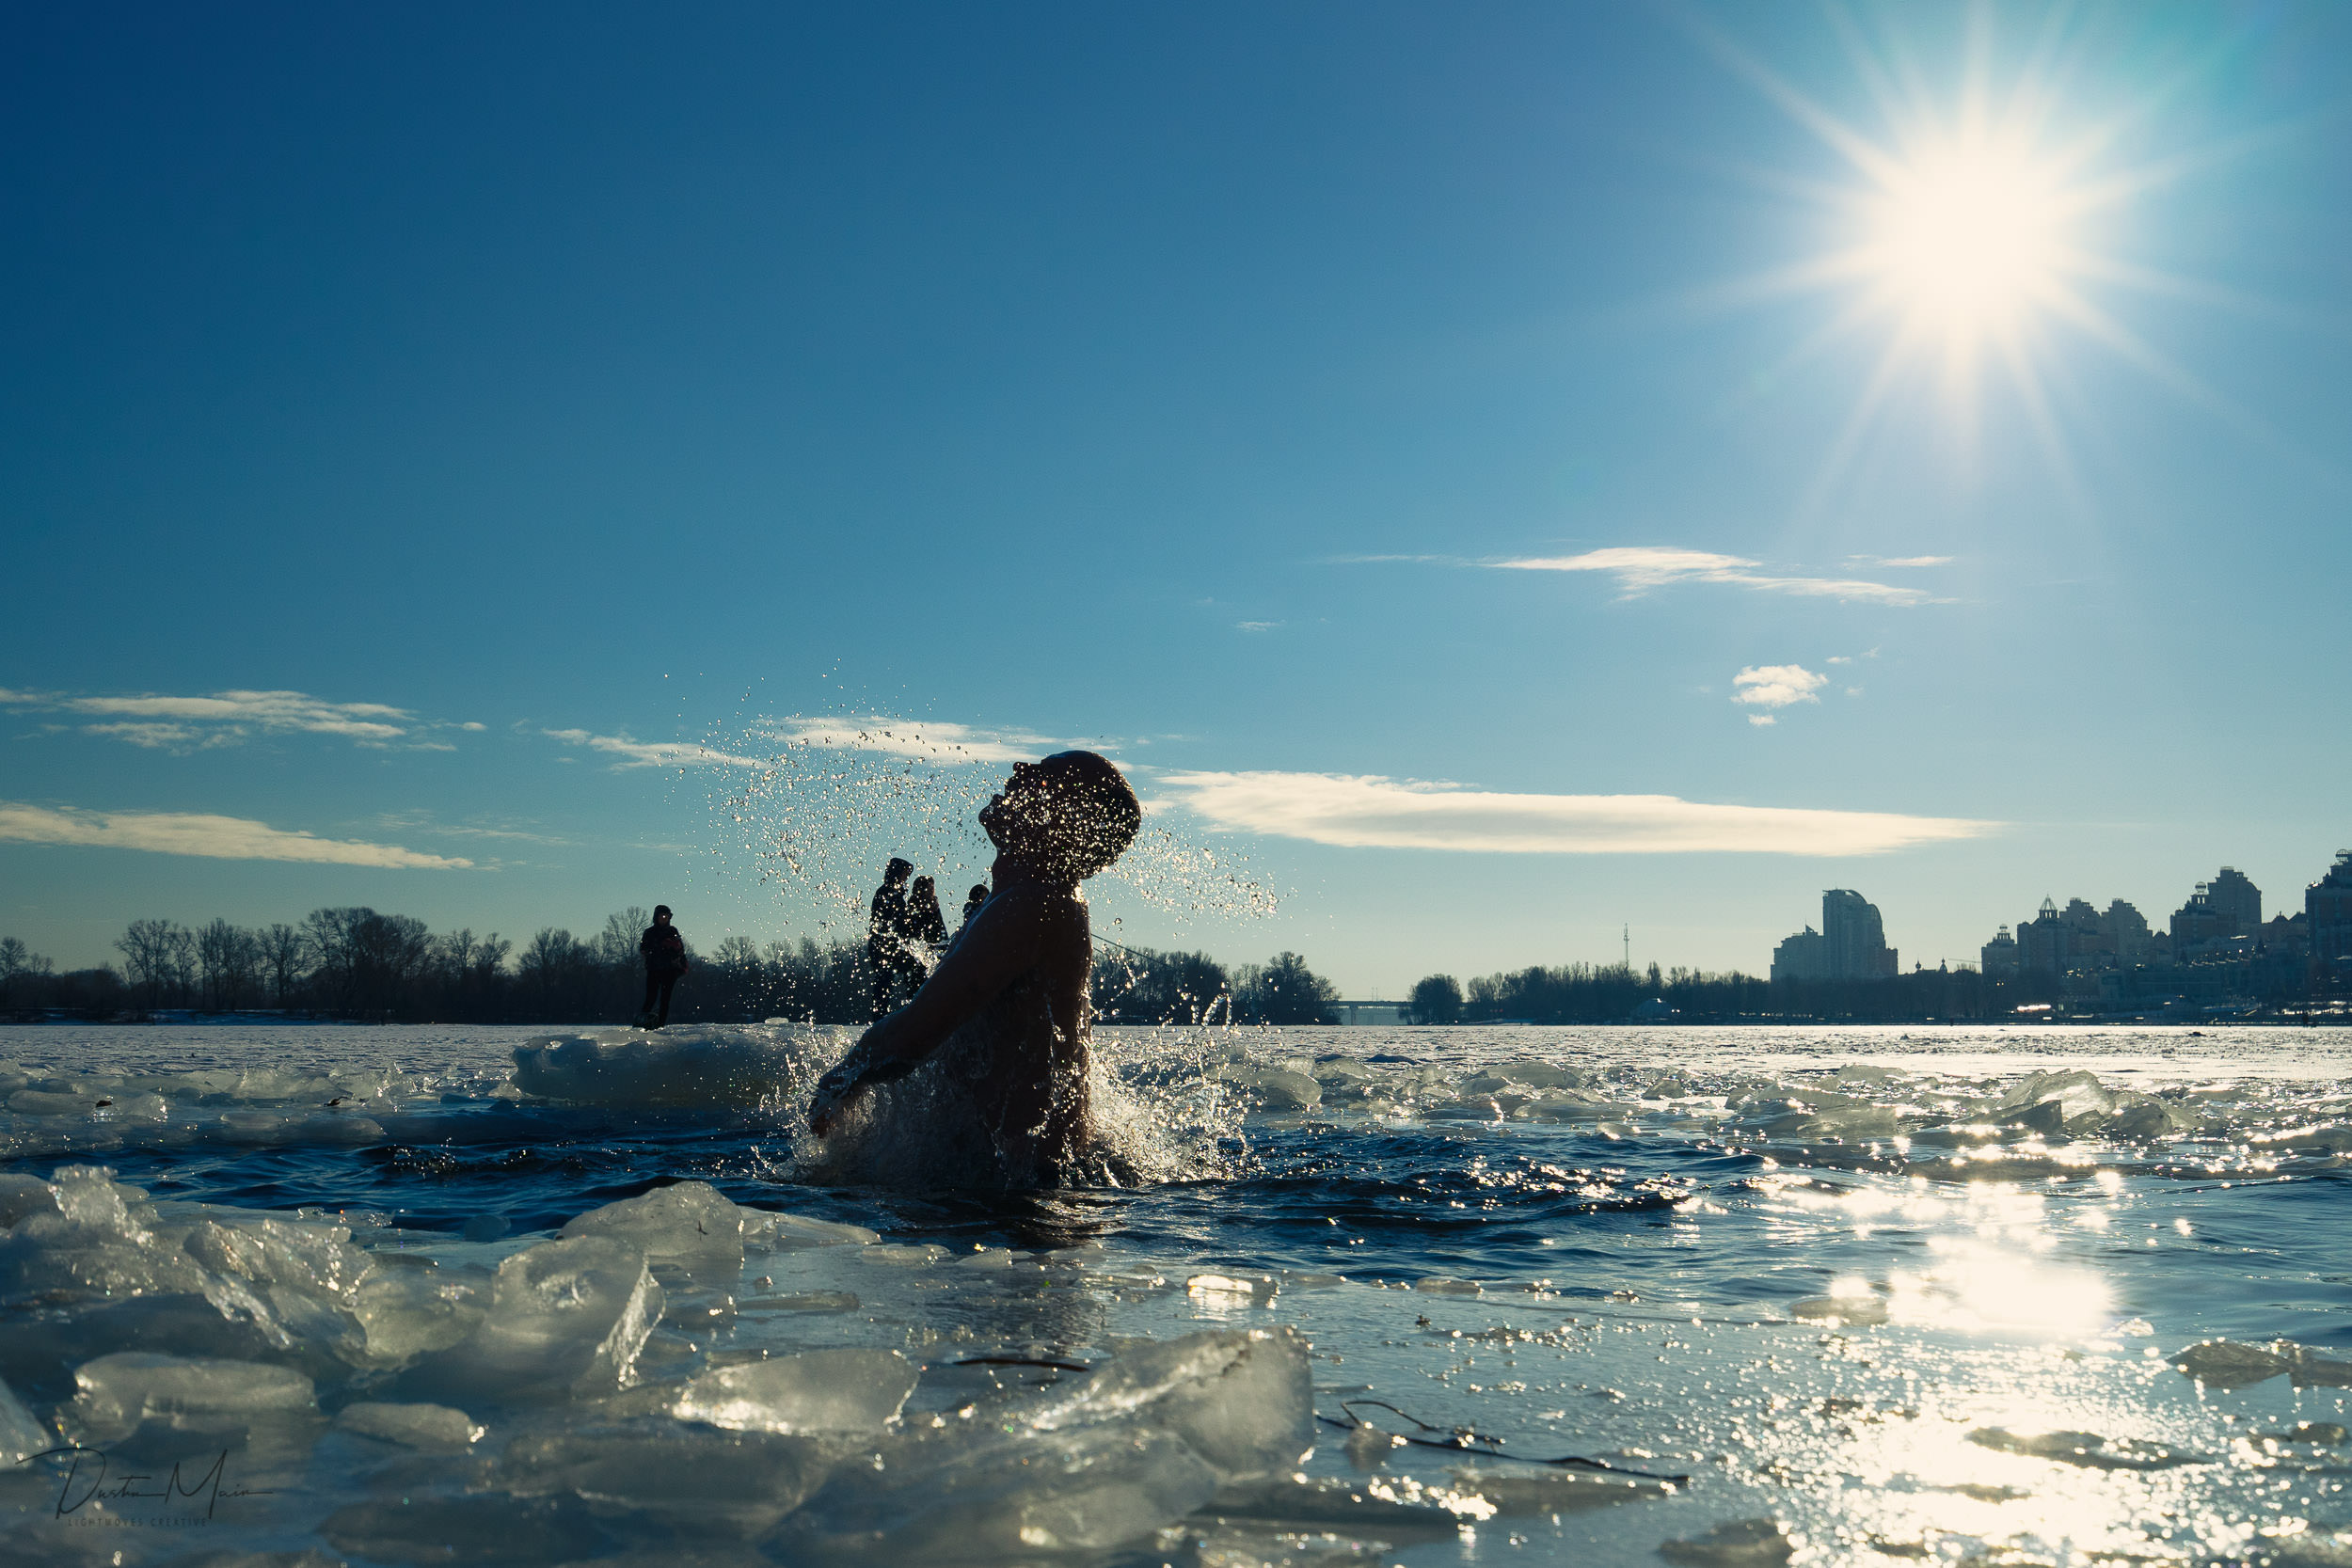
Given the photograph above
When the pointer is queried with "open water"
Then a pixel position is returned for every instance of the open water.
(1816, 1296)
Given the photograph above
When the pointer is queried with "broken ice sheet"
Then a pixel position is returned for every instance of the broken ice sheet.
(563, 1317)
(416, 1426)
(821, 1390)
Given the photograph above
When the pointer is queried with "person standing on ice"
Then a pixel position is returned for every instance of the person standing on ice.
(927, 928)
(663, 949)
(886, 933)
(1005, 1014)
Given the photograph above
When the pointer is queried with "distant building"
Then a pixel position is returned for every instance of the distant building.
(1850, 945)
(1802, 957)
(2328, 911)
(2216, 914)
(2127, 933)
(2000, 957)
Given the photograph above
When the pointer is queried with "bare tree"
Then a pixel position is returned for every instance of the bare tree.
(229, 961)
(155, 955)
(17, 963)
(285, 955)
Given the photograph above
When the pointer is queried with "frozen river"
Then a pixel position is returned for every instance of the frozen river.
(1814, 1296)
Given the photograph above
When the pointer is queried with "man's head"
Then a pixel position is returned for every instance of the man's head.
(1070, 816)
(896, 871)
(661, 914)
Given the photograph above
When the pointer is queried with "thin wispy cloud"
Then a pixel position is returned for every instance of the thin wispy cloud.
(162, 723)
(1641, 569)
(933, 740)
(1375, 812)
(1904, 562)
(229, 838)
(626, 753)
(1773, 686)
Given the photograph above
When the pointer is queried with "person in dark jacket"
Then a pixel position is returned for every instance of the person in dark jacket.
(972, 900)
(663, 949)
(927, 928)
(885, 934)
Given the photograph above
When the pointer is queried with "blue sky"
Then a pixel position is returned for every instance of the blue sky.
(1386, 429)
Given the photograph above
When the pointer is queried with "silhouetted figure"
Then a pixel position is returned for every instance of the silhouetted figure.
(927, 928)
(663, 949)
(885, 934)
(972, 902)
(1005, 1015)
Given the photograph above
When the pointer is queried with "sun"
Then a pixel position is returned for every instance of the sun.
(1969, 239)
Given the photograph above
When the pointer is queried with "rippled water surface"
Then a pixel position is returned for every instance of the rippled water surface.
(1820, 1296)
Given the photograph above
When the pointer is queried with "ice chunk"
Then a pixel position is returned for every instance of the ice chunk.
(980, 1496)
(88, 1242)
(416, 1426)
(912, 1254)
(1273, 1089)
(565, 1316)
(1398, 1508)
(2086, 1449)
(819, 1390)
(684, 1476)
(1541, 1076)
(690, 1226)
(687, 1066)
(1554, 1491)
(118, 1391)
(20, 1434)
(776, 1233)
(21, 1197)
(2227, 1364)
(1242, 1399)
(1856, 1121)
(407, 1312)
(464, 1529)
(1740, 1543)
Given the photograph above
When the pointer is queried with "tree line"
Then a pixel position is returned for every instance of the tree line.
(357, 963)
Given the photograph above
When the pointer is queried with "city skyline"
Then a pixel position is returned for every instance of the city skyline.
(1491, 479)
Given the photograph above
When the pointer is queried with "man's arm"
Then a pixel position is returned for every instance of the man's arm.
(1001, 944)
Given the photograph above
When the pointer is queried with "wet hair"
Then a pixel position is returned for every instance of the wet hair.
(896, 870)
(661, 909)
(1102, 814)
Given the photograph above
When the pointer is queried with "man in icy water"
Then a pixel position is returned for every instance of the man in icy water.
(1008, 1001)
(663, 949)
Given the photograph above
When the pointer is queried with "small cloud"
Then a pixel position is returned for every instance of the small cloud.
(1776, 686)
(1907, 561)
(1255, 625)
(474, 724)
(232, 838)
(1641, 568)
(1840, 659)
(1760, 720)
(1854, 691)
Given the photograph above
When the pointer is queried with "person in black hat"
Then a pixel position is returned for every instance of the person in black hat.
(664, 951)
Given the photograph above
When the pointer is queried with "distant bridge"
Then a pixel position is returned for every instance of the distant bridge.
(1369, 1012)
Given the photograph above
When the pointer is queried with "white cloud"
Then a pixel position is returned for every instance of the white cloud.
(226, 717)
(654, 754)
(233, 838)
(1760, 720)
(1912, 560)
(1640, 568)
(1776, 686)
(1255, 625)
(1372, 811)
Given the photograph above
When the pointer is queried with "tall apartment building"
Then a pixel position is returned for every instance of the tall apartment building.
(2219, 911)
(1850, 945)
(2328, 908)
